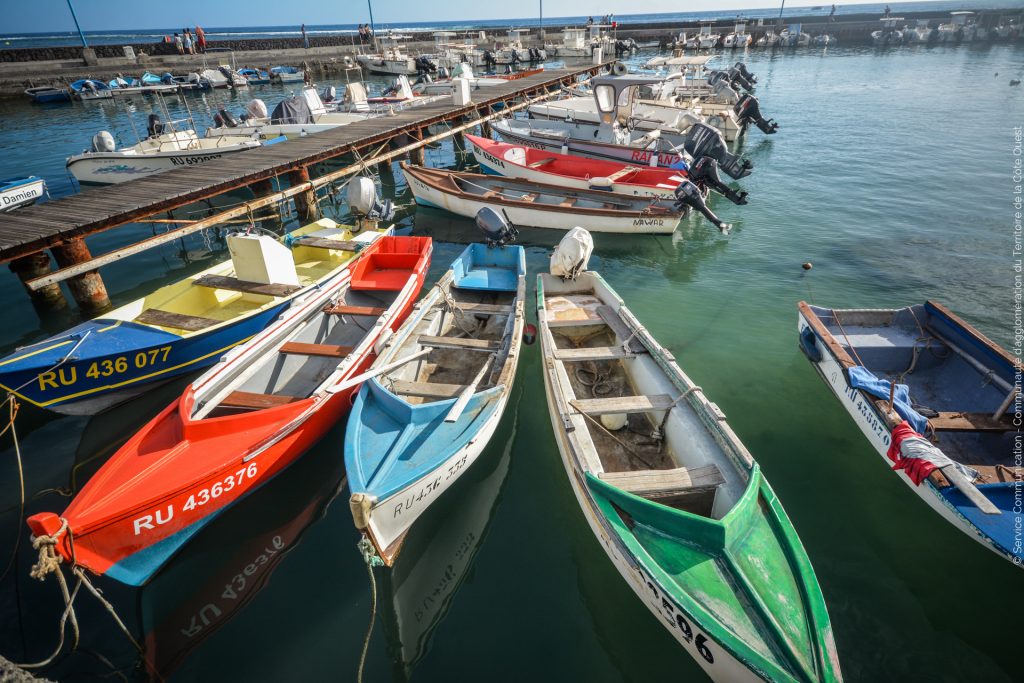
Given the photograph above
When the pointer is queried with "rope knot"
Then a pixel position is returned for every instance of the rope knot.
(49, 560)
(369, 553)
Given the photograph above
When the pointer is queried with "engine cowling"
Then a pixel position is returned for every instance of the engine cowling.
(701, 140)
(363, 200)
(497, 229)
(103, 142)
(748, 110)
(704, 172)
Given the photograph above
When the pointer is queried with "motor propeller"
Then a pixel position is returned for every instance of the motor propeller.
(689, 195)
(704, 172)
(748, 110)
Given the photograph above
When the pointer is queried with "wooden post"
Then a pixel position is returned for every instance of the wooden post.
(50, 297)
(418, 156)
(305, 203)
(87, 289)
(460, 137)
(261, 188)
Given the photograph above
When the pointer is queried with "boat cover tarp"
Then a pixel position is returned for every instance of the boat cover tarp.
(292, 110)
(862, 378)
(916, 455)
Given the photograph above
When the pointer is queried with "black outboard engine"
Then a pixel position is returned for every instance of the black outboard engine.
(688, 196)
(497, 228)
(424, 65)
(154, 126)
(226, 72)
(701, 140)
(489, 60)
(508, 69)
(741, 68)
(738, 79)
(748, 110)
(443, 73)
(714, 77)
(229, 120)
(621, 48)
(329, 94)
(704, 173)
(218, 121)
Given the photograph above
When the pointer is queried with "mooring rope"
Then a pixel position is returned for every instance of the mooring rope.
(371, 559)
(21, 483)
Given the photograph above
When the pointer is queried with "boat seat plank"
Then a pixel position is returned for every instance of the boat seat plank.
(485, 309)
(328, 243)
(541, 162)
(235, 285)
(427, 389)
(179, 321)
(665, 483)
(251, 401)
(620, 328)
(970, 422)
(568, 201)
(459, 343)
(327, 350)
(622, 173)
(345, 309)
(593, 353)
(623, 404)
(529, 197)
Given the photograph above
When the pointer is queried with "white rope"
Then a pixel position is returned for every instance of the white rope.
(371, 559)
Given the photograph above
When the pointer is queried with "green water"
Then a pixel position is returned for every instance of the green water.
(891, 174)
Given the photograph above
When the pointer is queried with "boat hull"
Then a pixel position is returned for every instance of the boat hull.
(392, 67)
(107, 168)
(593, 150)
(14, 195)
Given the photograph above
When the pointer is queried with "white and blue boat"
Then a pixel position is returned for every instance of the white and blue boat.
(440, 388)
(90, 89)
(935, 398)
(182, 327)
(46, 94)
(287, 74)
(15, 192)
(255, 76)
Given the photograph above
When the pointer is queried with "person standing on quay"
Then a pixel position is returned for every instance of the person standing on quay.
(200, 39)
(178, 44)
(305, 38)
(188, 43)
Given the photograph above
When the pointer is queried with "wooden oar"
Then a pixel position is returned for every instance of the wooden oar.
(957, 479)
(369, 374)
(460, 404)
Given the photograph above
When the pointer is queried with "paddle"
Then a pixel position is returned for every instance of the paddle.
(369, 374)
(456, 412)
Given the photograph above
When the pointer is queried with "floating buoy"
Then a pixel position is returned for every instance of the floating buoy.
(529, 334)
(807, 265)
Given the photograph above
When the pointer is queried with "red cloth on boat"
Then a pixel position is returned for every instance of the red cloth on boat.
(917, 469)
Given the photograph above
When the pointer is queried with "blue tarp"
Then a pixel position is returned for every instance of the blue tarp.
(862, 378)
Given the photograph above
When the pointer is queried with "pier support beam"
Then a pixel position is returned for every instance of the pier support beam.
(50, 297)
(418, 156)
(305, 203)
(87, 289)
(261, 188)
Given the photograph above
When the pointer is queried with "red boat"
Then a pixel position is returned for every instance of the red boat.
(538, 165)
(243, 421)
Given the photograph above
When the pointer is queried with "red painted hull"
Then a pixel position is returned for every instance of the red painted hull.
(177, 472)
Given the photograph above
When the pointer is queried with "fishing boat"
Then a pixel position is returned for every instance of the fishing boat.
(88, 89)
(934, 397)
(960, 27)
(890, 33)
(677, 502)
(793, 36)
(293, 117)
(391, 58)
(255, 76)
(739, 38)
(15, 192)
(179, 328)
(443, 86)
(242, 422)
(513, 51)
(287, 74)
(105, 164)
(444, 380)
(47, 94)
(920, 33)
(540, 205)
(708, 38)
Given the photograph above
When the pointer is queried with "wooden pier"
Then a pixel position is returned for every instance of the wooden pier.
(61, 225)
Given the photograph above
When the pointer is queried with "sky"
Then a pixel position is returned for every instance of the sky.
(97, 15)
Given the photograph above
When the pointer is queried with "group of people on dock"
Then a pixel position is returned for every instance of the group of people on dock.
(189, 43)
(365, 33)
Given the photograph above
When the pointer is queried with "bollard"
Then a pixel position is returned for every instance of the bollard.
(305, 204)
(50, 297)
(87, 289)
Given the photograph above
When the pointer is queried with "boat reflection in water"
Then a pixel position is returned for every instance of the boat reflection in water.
(417, 592)
(226, 565)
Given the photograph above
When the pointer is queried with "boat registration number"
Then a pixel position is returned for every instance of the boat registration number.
(189, 161)
(196, 499)
(67, 376)
(677, 621)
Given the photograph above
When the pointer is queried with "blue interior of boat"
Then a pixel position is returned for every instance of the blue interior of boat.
(1000, 528)
(492, 269)
(10, 183)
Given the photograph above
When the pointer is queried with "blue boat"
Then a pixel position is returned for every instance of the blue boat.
(935, 398)
(90, 89)
(179, 328)
(150, 78)
(255, 76)
(287, 74)
(438, 391)
(45, 94)
(15, 192)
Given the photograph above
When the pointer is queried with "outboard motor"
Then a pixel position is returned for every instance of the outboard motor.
(571, 256)
(103, 142)
(701, 140)
(363, 200)
(741, 68)
(218, 120)
(489, 60)
(329, 94)
(257, 109)
(724, 92)
(497, 228)
(748, 110)
(508, 69)
(704, 172)
(155, 126)
(737, 78)
(443, 73)
(620, 48)
(229, 119)
(688, 196)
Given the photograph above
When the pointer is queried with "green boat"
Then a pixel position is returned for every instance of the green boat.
(675, 499)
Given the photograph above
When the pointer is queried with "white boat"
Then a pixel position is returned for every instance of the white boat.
(514, 52)
(104, 164)
(739, 38)
(890, 33)
(390, 59)
(921, 33)
(961, 27)
(769, 39)
(708, 38)
(287, 74)
(294, 117)
(15, 192)
(574, 44)
(416, 427)
(792, 36)
(824, 40)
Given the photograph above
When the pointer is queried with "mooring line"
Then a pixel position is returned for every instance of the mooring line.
(371, 559)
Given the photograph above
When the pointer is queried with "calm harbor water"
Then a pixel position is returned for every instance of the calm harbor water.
(891, 173)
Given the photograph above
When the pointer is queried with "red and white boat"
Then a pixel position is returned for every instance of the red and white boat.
(243, 421)
(542, 166)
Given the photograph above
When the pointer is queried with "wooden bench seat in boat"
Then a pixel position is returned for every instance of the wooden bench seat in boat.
(541, 162)
(593, 353)
(623, 404)
(568, 201)
(327, 350)
(622, 173)
(459, 343)
(328, 243)
(666, 483)
(233, 284)
(345, 309)
(485, 309)
(427, 389)
(529, 197)
(247, 400)
(970, 422)
(179, 321)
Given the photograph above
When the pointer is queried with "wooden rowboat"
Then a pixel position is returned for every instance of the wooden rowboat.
(417, 427)
(541, 205)
(677, 502)
(240, 423)
(182, 327)
(537, 165)
(949, 413)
